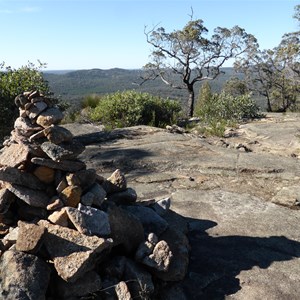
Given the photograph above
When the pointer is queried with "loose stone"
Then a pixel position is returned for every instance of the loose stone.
(66, 165)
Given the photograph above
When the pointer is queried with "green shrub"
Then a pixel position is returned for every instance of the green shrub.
(221, 110)
(90, 101)
(129, 108)
(14, 82)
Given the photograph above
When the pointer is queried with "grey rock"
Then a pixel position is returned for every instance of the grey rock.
(115, 267)
(162, 206)
(66, 165)
(86, 178)
(30, 196)
(15, 176)
(6, 199)
(140, 281)
(35, 109)
(160, 258)
(23, 276)
(21, 100)
(87, 199)
(144, 250)
(115, 183)
(49, 116)
(226, 197)
(24, 126)
(89, 220)
(38, 135)
(30, 237)
(179, 248)
(73, 253)
(84, 286)
(151, 221)
(122, 291)
(288, 196)
(30, 213)
(128, 196)
(57, 134)
(126, 229)
(62, 151)
(14, 155)
(152, 238)
(99, 194)
(12, 235)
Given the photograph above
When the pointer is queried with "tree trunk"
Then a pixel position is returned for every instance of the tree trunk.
(191, 102)
(269, 108)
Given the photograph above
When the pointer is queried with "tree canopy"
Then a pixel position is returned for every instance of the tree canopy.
(275, 73)
(192, 55)
(14, 82)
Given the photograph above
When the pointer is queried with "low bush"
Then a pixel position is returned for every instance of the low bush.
(14, 82)
(221, 110)
(129, 108)
(90, 101)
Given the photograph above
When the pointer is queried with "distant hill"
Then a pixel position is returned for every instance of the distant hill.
(73, 86)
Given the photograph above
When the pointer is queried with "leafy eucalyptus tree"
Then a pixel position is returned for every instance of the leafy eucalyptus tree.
(275, 73)
(184, 57)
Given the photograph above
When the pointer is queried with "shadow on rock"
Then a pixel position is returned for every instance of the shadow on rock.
(124, 159)
(216, 261)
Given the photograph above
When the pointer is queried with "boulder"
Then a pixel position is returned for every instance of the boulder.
(126, 229)
(73, 254)
(23, 276)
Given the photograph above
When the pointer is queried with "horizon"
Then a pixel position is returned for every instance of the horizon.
(103, 34)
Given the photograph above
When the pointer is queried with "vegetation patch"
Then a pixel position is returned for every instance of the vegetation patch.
(130, 108)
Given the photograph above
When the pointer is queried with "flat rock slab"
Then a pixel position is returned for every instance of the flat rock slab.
(23, 276)
(31, 197)
(242, 245)
(237, 237)
(66, 165)
(15, 176)
(14, 155)
(73, 253)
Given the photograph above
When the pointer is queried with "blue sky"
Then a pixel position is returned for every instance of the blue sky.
(85, 34)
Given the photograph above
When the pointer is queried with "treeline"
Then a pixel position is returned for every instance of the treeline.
(73, 86)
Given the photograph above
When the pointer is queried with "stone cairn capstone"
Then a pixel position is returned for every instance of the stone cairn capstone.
(67, 232)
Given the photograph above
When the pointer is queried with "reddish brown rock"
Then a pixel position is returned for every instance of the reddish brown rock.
(59, 217)
(23, 276)
(50, 116)
(44, 174)
(115, 183)
(30, 237)
(55, 203)
(71, 195)
(73, 253)
(14, 155)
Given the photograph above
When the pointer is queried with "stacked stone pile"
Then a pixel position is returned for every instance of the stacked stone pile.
(67, 232)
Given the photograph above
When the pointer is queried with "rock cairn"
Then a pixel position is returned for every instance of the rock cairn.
(67, 232)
